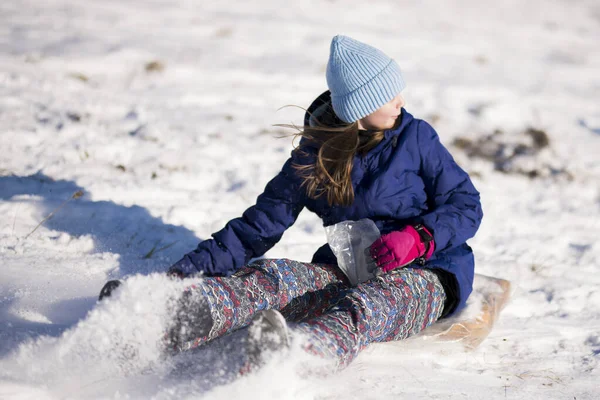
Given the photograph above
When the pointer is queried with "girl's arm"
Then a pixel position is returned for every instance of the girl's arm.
(256, 231)
(453, 200)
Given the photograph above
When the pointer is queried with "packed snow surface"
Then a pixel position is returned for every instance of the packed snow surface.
(131, 130)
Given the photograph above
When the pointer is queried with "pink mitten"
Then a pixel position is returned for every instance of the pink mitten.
(400, 248)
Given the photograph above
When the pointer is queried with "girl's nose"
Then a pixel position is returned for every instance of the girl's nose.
(400, 101)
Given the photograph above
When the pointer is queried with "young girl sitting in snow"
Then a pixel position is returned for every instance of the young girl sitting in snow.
(362, 155)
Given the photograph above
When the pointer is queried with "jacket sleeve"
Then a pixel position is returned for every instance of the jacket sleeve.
(251, 235)
(454, 206)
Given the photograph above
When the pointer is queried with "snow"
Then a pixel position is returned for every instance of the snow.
(166, 153)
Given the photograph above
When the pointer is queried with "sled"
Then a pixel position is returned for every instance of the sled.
(473, 324)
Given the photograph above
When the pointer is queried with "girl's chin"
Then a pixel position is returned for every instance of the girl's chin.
(381, 127)
(391, 124)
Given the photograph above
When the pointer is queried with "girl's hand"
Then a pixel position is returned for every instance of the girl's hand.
(175, 274)
(400, 248)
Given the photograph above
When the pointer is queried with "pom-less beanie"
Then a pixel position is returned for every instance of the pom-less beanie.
(361, 78)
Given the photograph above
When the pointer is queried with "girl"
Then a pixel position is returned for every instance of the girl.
(362, 155)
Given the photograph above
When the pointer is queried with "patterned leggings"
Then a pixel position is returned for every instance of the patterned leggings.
(317, 301)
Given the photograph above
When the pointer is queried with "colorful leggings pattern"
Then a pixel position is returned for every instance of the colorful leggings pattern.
(316, 299)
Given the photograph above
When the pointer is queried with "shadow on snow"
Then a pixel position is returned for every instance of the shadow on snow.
(144, 244)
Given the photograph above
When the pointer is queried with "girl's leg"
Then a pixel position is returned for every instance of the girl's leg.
(219, 305)
(391, 307)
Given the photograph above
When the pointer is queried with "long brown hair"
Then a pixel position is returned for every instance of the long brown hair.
(330, 174)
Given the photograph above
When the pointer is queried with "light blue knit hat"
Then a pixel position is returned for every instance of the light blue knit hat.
(360, 78)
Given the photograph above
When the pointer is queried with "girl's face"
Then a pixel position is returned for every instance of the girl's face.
(385, 117)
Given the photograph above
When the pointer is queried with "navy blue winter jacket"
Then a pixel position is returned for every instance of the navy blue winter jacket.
(408, 178)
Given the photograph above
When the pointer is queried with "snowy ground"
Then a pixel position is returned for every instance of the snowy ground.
(161, 113)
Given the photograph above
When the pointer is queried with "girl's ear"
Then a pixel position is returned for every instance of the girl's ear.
(360, 125)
